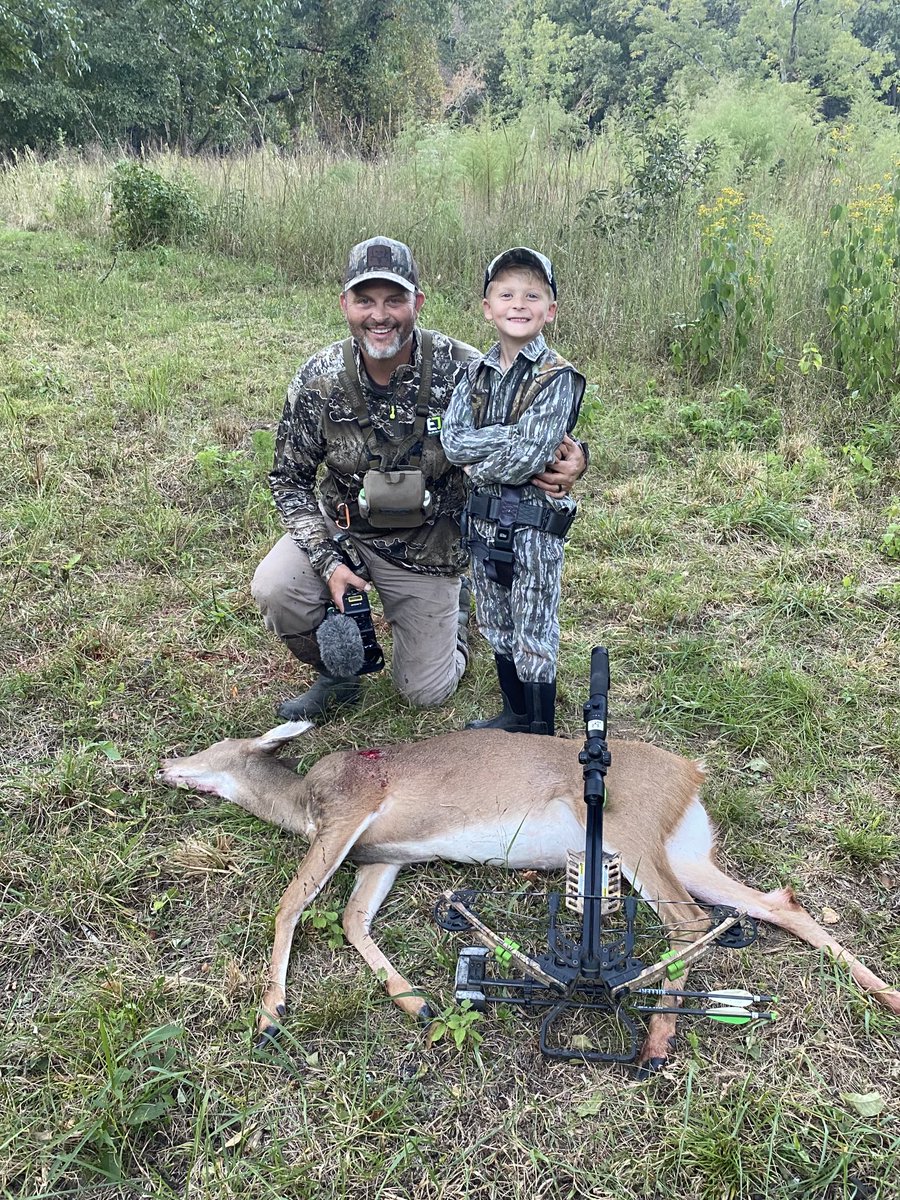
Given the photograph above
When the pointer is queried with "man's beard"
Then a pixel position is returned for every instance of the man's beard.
(378, 350)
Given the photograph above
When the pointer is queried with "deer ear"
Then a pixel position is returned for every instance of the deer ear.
(269, 742)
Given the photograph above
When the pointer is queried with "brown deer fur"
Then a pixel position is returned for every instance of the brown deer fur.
(485, 796)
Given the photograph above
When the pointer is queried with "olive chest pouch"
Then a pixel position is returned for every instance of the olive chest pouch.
(395, 496)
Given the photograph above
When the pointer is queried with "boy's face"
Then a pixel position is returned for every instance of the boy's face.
(518, 304)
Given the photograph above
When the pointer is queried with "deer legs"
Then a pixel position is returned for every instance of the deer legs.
(326, 853)
(373, 882)
(684, 923)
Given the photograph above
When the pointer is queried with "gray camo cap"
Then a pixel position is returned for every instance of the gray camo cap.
(381, 258)
(521, 256)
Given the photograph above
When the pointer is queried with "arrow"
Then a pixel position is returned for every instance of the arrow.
(733, 997)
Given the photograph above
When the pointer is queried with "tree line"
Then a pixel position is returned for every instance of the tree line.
(216, 74)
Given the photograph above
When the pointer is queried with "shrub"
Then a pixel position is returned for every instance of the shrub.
(662, 166)
(862, 283)
(148, 210)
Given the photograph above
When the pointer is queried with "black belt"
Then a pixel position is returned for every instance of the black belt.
(507, 512)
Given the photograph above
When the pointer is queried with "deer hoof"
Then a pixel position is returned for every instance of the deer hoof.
(425, 1016)
(649, 1068)
(269, 1032)
(268, 1036)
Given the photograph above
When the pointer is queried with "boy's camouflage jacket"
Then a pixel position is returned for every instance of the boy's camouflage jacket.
(506, 426)
(318, 426)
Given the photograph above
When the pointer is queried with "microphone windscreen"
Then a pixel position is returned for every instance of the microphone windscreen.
(341, 646)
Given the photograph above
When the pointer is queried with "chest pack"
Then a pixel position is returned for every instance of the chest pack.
(526, 380)
(393, 494)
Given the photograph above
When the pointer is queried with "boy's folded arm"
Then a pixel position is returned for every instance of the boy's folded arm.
(515, 463)
(533, 440)
(464, 444)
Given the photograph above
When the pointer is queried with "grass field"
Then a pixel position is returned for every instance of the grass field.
(729, 553)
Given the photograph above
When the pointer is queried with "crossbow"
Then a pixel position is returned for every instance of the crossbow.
(593, 969)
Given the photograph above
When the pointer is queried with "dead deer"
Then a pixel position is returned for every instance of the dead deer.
(486, 796)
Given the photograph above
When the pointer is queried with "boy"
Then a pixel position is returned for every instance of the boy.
(507, 415)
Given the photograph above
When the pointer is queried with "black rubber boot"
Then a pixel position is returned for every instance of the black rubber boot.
(513, 718)
(325, 695)
(540, 707)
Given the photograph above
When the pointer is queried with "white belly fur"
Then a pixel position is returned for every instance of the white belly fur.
(539, 841)
(692, 840)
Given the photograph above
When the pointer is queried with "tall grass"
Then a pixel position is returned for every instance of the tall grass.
(457, 196)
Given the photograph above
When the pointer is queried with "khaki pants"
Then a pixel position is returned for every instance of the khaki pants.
(422, 611)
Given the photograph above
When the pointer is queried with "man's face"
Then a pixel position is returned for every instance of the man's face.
(381, 316)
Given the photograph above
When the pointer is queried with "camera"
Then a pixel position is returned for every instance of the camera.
(347, 640)
(358, 610)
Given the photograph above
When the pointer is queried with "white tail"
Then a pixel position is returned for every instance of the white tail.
(483, 796)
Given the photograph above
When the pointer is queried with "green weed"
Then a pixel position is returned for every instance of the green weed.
(457, 1025)
(140, 1083)
(775, 519)
(325, 921)
(865, 236)
(737, 285)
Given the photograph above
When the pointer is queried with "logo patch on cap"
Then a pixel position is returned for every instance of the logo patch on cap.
(379, 258)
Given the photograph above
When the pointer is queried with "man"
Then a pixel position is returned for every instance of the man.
(370, 409)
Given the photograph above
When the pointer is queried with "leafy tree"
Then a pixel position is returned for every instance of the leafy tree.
(206, 73)
(34, 34)
(877, 25)
(810, 41)
(40, 50)
(679, 40)
(359, 67)
(538, 55)
(146, 70)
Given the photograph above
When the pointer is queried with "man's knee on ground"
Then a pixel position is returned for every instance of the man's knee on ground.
(261, 588)
(427, 693)
(283, 613)
(265, 597)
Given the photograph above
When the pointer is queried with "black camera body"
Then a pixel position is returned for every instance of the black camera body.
(358, 609)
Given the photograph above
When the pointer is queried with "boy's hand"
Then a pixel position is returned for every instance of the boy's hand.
(568, 465)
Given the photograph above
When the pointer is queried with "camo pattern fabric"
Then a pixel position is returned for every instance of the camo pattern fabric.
(504, 442)
(506, 433)
(522, 622)
(318, 427)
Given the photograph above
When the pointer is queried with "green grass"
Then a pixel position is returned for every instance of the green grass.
(751, 619)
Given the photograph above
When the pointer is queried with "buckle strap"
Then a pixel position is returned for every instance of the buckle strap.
(535, 516)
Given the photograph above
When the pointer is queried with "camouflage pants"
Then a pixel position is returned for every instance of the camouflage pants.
(522, 622)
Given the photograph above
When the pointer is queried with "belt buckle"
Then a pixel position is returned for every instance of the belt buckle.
(509, 509)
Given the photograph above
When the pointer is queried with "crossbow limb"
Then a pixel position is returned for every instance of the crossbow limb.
(599, 970)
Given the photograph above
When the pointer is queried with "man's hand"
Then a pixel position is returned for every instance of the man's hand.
(568, 465)
(342, 578)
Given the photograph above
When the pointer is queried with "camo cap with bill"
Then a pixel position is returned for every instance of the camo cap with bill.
(381, 258)
(521, 256)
